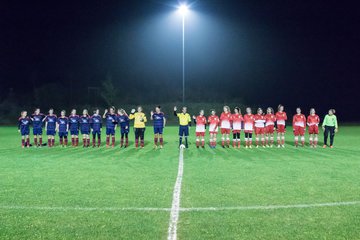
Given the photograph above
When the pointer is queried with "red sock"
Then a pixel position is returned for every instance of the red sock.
(28, 142)
(77, 141)
(136, 142)
(93, 141)
(222, 142)
(23, 142)
(40, 141)
(99, 141)
(234, 143)
(122, 141)
(49, 142)
(283, 142)
(197, 143)
(84, 142)
(228, 142)
(113, 141)
(35, 141)
(156, 141)
(88, 142)
(127, 141)
(107, 140)
(161, 141)
(142, 143)
(52, 142)
(66, 141)
(239, 143)
(61, 141)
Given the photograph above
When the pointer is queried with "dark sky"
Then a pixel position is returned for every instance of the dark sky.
(299, 53)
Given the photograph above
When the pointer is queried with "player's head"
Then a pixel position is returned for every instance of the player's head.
(201, 112)
(312, 111)
(259, 111)
(112, 110)
(51, 111)
(121, 111)
(85, 112)
(237, 110)
(280, 108)
(331, 111)
(158, 109)
(298, 110)
(248, 110)
(212, 112)
(23, 114)
(96, 111)
(63, 113)
(226, 109)
(73, 112)
(270, 110)
(184, 109)
(37, 111)
(139, 109)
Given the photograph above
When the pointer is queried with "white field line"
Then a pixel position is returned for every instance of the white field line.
(194, 209)
(175, 206)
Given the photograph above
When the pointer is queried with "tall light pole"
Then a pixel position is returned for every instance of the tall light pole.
(183, 8)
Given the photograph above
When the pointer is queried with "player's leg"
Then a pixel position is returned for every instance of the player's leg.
(27, 140)
(296, 136)
(181, 132)
(203, 139)
(227, 135)
(332, 135)
(197, 134)
(35, 133)
(122, 136)
(161, 139)
(234, 139)
(137, 137)
(186, 133)
(223, 136)
(113, 137)
(156, 138)
(142, 135)
(326, 134)
(126, 138)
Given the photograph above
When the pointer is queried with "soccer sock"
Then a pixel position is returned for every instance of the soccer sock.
(77, 141)
(296, 141)
(228, 141)
(61, 141)
(136, 142)
(72, 141)
(84, 142)
(66, 141)
(302, 140)
(142, 142)
(155, 141)
(186, 141)
(161, 141)
(250, 142)
(271, 140)
(278, 140)
(263, 141)
(27, 142)
(257, 141)
(239, 142)
(40, 141)
(23, 142)
(122, 141)
(180, 141)
(126, 140)
(113, 141)
(283, 140)
(88, 142)
(197, 142)
(267, 140)
(202, 142)
(49, 142)
(107, 140)
(35, 141)
(311, 141)
(52, 142)
(93, 141)
(222, 141)
(99, 141)
(234, 142)
(315, 141)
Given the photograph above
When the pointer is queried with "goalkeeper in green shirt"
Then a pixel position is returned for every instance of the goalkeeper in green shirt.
(330, 127)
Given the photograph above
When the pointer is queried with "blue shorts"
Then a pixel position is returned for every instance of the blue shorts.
(63, 134)
(124, 130)
(50, 132)
(37, 131)
(98, 132)
(184, 131)
(74, 132)
(85, 131)
(110, 131)
(25, 132)
(158, 130)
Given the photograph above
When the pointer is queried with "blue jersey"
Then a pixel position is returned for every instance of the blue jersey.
(123, 121)
(85, 123)
(51, 122)
(73, 122)
(96, 122)
(158, 119)
(63, 124)
(24, 124)
(110, 120)
(37, 120)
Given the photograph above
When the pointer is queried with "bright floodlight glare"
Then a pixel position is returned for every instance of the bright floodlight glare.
(183, 9)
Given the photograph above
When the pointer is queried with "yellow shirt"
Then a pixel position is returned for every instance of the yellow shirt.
(184, 119)
(139, 119)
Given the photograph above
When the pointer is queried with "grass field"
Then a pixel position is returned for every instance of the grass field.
(77, 193)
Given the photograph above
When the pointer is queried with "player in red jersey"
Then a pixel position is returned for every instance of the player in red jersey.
(281, 118)
(260, 127)
(269, 126)
(225, 126)
(200, 122)
(313, 121)
(236, 120)
(213, 122)
(299, 125)
(248, 127)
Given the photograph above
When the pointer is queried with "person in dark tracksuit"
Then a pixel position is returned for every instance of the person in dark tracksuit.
(330, 127)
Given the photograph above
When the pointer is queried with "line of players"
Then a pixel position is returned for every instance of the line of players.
(262, 125)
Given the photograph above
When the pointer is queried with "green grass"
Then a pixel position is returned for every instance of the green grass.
(113, 178)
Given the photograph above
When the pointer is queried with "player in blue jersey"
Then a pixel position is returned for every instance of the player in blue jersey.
(96, 125)
(85, 128)
(24, 129)
(110, 117)
(124, 125)
(50, 126)
(37, 122)
(159, 122)
(62, 127)
(74, 128)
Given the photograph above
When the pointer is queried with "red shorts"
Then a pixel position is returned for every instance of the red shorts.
(260, 130)
(314, 129)
(299, 131)
(225, 130)
(280, 129)
(270, 129)
(236, 131)
(200, 134)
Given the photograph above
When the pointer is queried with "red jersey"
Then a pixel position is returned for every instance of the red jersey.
(259, 120)
(270, 119)
(236, 120)
(249, 120)
(200, 123)
(313, 120)
(213, 123)
(281, 117)
(225, 119)
(299, 120)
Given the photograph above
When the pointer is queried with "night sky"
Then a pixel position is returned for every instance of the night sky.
(298, 53)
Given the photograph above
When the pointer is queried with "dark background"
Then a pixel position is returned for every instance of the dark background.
(257, 53)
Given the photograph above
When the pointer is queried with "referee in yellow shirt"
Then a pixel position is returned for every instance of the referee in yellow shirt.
(139, 125)
(185, 122)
